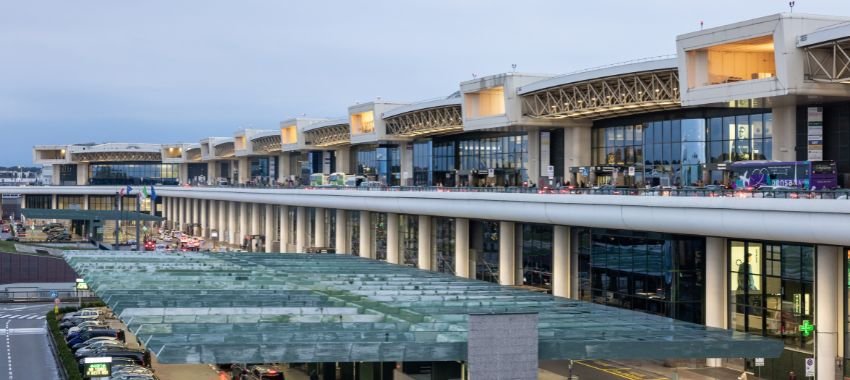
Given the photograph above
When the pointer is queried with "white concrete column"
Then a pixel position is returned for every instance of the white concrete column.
(392, 238)
(231, 222)
(183, 173)
(507, 254)
(284, 227)
(342, 241)
(212, 217)
(269, 228)
(285, 169)
(221, 226)
(300, 229)
(561, 261)
(366, 235)
(184, 213)
(785, 133)
(202, 210)
(423, 249)
(212, 171)
(462, 247)
(534, 155)
(576, 149)
(243, 224)
(319, 227)
(244, 176)
(54, 202)
(255, 219)
(82, 174)
(827, 285)
(342, 160)
(188, 214)
(406, 152)
(196, 209)
(715, 288)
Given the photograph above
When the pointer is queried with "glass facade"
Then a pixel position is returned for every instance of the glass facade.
(379, 235)
(771, 287)
(72, 202)
(409, 239)
(379, 163)
(68, 174)
(487, 259)
(422, 163)
(675, 151)
(537, 255)
(444, 243)
(39, 201)
(506, 155)
(655, 273)
(354, 231)
(101, 202)
(130, 173)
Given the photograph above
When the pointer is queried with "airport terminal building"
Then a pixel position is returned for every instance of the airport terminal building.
(770, 90)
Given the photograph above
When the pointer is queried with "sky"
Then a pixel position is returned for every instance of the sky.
(178, 71)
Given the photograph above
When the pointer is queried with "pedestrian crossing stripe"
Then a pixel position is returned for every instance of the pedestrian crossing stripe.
(19, 316)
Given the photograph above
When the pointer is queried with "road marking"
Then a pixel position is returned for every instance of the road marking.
(621, 372)
(9, 350)
(23, 331)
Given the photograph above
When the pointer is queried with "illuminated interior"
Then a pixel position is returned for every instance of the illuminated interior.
(737, 61)
(363, 122)
(173, 152)
(239, 142)
(51, 154)
(289, 135)
(484, 103)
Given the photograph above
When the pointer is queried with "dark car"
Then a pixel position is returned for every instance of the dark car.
(256, 371)
(139, 356)
(119, 360)
(85, 330)
(91, 334)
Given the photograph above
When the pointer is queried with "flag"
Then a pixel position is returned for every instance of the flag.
(121, 192)
(153, 194)
(145, 192)
(129, 189)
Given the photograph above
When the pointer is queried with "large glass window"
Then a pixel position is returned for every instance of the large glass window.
(39, 201)
(354, 231)
(771, 287)
(444, 244)
(537, 255)
(133, 173)
(654, 273)
(422, 163)
(674, 152)
(379, 235)
(74, 202)
(409, 239)
(487, 260)
(101, 202)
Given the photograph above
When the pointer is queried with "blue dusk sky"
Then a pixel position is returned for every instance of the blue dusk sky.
(178, 71)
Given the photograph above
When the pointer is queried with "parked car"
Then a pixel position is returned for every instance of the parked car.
(140, 357)
(81, 326)
(93, 340)
(99, 346)
(91, 334)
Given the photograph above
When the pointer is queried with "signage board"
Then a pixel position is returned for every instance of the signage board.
(631, 171)
(491, 173)
(814, 124)
(81, 285)
(97, 367)
(550, 171)
(810, 367)
(759, 362)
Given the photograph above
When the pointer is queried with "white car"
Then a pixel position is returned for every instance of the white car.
(84, 324)
(85, 313)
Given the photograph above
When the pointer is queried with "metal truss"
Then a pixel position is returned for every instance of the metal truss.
(194, 154)
(332, 135)
(431, 121)
(224, 150)
(606, 97)
(116, 156)
(829, 62)
(267, 144)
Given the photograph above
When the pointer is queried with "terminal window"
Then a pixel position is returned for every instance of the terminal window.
(484, 103)
(730, 62)
(289, 135)
(363, 122)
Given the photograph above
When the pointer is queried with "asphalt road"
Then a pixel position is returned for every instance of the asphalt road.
(24, 353)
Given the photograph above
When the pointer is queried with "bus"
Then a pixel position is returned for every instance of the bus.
(808, 175)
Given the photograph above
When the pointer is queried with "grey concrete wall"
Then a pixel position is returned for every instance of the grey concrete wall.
(502, 346)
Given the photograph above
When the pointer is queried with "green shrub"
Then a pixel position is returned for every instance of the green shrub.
(65, 354)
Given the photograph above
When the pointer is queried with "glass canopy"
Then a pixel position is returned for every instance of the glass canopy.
(229, 308)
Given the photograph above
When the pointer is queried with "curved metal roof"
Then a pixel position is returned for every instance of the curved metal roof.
(599, 73)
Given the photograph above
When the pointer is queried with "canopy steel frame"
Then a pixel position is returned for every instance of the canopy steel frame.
(115, 156)
(267, 144)
(426, 122)
(328, 136)
(225, 150)
(828, 62)
(606, 97)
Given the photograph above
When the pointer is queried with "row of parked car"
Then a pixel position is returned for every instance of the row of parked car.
(88, 333)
